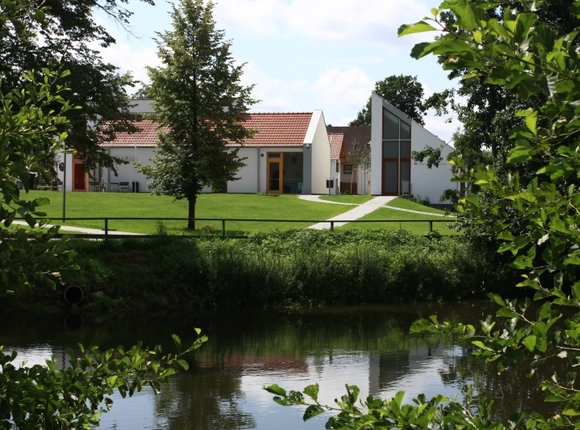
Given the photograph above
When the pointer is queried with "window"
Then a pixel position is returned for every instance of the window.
(396, 155)
(347, 169)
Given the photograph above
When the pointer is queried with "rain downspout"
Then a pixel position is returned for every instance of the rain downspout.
(259, 168)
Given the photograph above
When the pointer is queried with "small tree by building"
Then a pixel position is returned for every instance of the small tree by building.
(360, 159)
(198, 99)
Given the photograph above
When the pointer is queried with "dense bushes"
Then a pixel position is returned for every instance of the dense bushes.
(283, 269)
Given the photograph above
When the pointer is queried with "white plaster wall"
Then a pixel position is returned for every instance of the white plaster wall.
(376, 144)
(429, 183)
(249, 174)
(128, 172)
(317, 136)
(253, 175)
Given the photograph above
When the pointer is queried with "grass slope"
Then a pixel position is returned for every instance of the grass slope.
(247, 206)
(258, 207)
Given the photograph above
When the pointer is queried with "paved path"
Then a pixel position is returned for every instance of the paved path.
(353, 214)
(85, 230)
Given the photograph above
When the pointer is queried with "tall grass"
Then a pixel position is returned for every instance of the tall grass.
(296, 268)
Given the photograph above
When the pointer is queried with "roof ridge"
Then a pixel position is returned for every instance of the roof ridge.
(279, 113)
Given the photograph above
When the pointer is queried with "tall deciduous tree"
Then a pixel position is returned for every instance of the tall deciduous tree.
(488, 111)
(406, 93)
(64, 35)
(198, 98)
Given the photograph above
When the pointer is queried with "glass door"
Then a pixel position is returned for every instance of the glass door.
(275, 173)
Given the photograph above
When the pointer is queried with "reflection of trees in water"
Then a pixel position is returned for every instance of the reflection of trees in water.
(202, 400)
(210, 397)
(512, 391)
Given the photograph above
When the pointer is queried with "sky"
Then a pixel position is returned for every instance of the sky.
(302, 55)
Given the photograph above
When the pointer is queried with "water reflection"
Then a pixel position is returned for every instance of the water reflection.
(366, 346)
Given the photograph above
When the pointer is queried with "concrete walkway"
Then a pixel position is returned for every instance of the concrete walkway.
(84, 230)
(353, 214)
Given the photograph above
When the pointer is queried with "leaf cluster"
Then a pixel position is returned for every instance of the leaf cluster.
(32, 130)
(74, 394)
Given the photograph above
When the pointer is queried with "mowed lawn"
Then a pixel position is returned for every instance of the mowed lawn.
(259, 208)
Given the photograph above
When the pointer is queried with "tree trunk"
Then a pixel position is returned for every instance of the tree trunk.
(191, 212)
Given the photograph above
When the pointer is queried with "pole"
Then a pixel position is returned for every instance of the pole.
(64, 184)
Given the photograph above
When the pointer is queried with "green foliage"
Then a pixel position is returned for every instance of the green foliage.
(35, 120)
(538, 186)
(295, 268)
(32, 125)
(199, 98)
(72, 395)
(350, 412)
(62, 35)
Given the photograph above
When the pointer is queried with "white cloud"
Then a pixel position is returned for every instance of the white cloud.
(348, 20)
(373, 21)
(273, 94)
(340, 93)
(302, 54)
(133, 60)
(349, 88)
(261, 17)
(442, 126)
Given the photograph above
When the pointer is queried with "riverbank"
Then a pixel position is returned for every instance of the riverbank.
(285, 269)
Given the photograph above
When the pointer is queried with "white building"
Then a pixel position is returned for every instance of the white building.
(289, 153)
(394, 136)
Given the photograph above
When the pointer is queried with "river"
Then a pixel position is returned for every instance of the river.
(368, 346)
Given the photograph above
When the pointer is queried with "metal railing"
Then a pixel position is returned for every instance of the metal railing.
(108, 232)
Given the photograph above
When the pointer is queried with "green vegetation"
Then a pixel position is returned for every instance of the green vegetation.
(530, 207)
(199, 98)
(247, 206)
(44, 396)
(293, 268)
(35, 120)
(406, 93)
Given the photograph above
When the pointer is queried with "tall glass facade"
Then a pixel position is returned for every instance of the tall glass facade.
(396, 157)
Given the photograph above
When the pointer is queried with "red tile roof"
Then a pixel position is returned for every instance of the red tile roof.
(272, 129)
(336, 142)
(146, 136)
(277, 129)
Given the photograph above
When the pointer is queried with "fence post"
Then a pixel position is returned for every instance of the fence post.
(331, 225)
(430, 226)
(106, 228)
(223, 228)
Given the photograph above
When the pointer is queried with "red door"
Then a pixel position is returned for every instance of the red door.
(79, 177)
